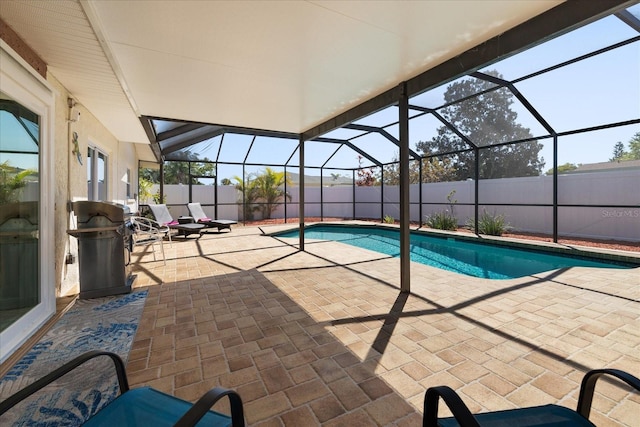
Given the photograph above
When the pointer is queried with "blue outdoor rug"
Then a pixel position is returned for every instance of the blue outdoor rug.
(109, 324)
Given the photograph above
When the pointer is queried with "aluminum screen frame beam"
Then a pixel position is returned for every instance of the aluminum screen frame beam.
(405, 234)
(558, 20)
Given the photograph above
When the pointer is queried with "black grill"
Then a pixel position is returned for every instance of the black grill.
(104, 248)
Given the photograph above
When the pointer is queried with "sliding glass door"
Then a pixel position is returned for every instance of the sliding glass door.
(19, 210)
(27, 284)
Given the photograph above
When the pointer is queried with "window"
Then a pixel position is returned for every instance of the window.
(128, 183)
(96, 174)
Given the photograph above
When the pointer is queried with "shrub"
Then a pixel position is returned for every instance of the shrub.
(442, 221)
(159, 200)
(388, 219)
(445, 220)
(490, 224)
(144, 190)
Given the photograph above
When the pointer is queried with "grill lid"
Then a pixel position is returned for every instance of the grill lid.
(99, 214)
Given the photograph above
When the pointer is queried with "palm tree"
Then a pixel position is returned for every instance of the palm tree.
(269, 188)
(248, 188)
(144, 190)
(11, 181)
(262, 191)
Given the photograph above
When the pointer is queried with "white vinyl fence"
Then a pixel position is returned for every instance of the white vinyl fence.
(599, 190)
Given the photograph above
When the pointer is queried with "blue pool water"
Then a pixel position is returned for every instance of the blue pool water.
(460, 256)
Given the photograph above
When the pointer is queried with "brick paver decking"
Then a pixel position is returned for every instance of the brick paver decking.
(323, 337)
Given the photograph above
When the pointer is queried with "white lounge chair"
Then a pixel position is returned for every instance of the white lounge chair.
(162, 215)
(195, 209)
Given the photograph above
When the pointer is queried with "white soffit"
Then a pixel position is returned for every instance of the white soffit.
(287, 65)
(62, 36)
(275, 65)
(144, 153)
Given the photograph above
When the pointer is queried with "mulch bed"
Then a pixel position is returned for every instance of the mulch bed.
(604, 244)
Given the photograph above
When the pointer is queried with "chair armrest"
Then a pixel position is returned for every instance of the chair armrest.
(63, 370)
(147, 224)
(459, 410)
(202, 406)
(588, 386)
(146, 230)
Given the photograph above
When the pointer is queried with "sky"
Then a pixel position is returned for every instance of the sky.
(597, 91)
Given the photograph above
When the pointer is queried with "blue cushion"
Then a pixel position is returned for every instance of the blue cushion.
(547, 416)
(145, 406)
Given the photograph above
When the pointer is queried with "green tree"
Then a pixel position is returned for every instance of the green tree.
(485, 119)
(634, 148)
(176, 172)
(433, 170)
(567, 167)
(12, 180)
(144, 190)
(247, 187)
(270, 190)
(263, 191)
(151, 175)
(618, 152)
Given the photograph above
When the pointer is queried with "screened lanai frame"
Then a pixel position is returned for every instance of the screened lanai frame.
(471, 64)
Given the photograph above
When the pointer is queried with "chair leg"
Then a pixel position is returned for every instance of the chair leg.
(153, 249)
(164, 259)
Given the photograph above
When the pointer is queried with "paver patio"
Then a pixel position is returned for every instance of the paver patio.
(324, 337)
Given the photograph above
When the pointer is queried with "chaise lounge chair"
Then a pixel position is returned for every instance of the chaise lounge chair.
(162, 215)
(200, 218)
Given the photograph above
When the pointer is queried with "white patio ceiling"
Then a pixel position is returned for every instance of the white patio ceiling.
(274, 65)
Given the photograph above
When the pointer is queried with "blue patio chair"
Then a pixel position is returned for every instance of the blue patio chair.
(142, 406)
(546, 415)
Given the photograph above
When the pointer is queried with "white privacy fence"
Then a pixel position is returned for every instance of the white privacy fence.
(526, 203)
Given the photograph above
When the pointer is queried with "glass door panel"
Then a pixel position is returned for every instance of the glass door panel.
(19, 210)
(96, 174)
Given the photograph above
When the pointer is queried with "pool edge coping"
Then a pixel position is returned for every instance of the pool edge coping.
(559, 248)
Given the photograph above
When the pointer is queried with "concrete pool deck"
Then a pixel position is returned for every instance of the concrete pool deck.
(323, 337)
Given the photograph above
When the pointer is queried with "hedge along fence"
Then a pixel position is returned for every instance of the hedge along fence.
(598, 205)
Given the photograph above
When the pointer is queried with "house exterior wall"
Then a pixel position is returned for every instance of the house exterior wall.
(62, 179)
(71, 178)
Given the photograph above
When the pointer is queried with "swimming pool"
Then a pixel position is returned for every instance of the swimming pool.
(460, 256)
